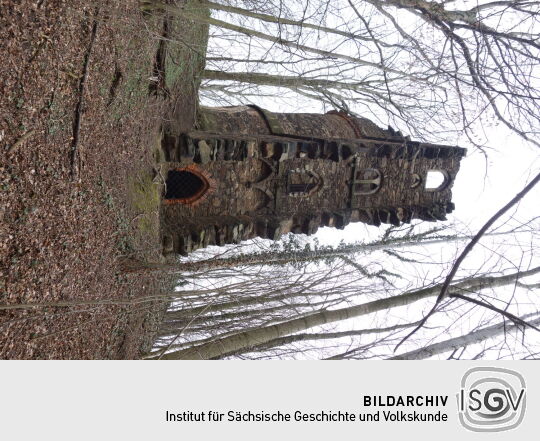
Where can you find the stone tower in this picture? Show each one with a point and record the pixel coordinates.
(248, 172)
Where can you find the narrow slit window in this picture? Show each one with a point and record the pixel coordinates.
(366, 181)
(302, 183)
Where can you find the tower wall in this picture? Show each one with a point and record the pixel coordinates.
(257, 179)
(252, 120)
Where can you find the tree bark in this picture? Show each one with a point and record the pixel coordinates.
(174, 10)
(462, 341)
(283, 21)
(282, 258)
(263, 335)
(263, 79)
(319, 336)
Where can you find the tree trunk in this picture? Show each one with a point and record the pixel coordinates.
(326, 55)
(262, 79)
(283, 21)
(263, 335)
(320, 336)
(464, 340)
(282, 258)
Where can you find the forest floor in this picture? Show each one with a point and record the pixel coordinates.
(84, 90)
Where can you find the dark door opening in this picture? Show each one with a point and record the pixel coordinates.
(185, 186)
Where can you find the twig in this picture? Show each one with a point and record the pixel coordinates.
(136, 217)
(508, 315)
(20, 141)
(70, 303)
(78, 108)
(467, 250)
(164, 182)
(165, 349)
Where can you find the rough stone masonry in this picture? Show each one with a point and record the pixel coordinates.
(248, 172)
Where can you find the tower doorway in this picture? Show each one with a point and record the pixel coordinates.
(185, 186)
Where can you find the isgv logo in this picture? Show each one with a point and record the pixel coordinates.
(491, 399)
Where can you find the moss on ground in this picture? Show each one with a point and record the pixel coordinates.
(145, 198)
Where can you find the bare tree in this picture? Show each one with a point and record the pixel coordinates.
(273, 309)
(427, 67)
(263, 335)
(431, 69)
(461, 342)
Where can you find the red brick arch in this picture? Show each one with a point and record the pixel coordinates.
(208, 185)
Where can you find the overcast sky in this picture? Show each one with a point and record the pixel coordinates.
(481, 188)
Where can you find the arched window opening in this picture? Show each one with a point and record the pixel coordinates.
(255, 200)
(415, 180)
(346, 151)
(302, 183)
(366, 181)
(436, 180)
(185, 186)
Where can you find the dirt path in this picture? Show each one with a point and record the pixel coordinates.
(79, 139)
